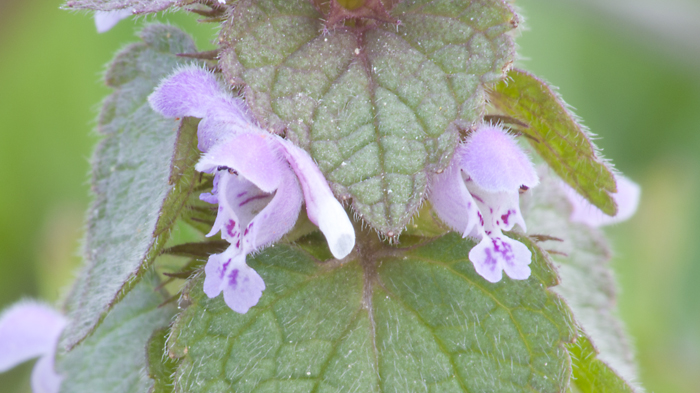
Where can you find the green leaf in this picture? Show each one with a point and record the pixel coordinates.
(557, 136)
(142, 176)
(379, 107)
(409, 320)
(161, 367)
(583, 256)
(590, 374)
(113, 359)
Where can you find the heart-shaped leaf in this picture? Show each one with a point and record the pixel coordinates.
(408, 320)
(143, 173)
(378, 105)
(557, 136)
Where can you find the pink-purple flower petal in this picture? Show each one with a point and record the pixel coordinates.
(452, 201)
(498, 253)
(494, 161)
(228, 272)
(626, 198)
(193, 91)
(105, 20)
(322, 208)
(28, 330)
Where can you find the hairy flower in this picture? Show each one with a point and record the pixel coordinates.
(29, 330)
(260, 182)
(478, 195)
(626, 198)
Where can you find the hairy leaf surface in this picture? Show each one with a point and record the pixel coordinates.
(556, 135)
(113, 359)
(378, 105)
(583, 257)
(415, 320)
(142, 176)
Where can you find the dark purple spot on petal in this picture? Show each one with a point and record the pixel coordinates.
(481, 218)
(229, 228)
(506, 216)
(241, 194)
(223, 269)
(238, 244)
(477, 198)
(232, 278)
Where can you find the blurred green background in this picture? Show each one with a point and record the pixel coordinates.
(628, 67)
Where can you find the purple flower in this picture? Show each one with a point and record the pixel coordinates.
(260, 182)
(626, 198)
(29, 330)
(105, 20)
(478, 195)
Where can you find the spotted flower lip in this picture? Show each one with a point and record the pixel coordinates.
(260, 182)
(28, 330)
(478, 196)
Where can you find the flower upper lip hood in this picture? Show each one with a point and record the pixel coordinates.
(28, 330)
(260, 182)
(478, 195)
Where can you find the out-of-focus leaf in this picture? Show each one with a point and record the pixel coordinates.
(378, 106)
(412, 320)
(142, 176)
(587, 284)
(590, 374)
(136, 6)
(113, 359)
(558, 137)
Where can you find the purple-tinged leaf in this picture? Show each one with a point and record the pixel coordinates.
(142, 176)
(378, 105)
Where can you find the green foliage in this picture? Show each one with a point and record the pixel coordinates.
(160, 366)
(556, 135)
(378, 106)
(590, 374)
(143, 172)
(113, 358)
(391, 319)
(583, 256)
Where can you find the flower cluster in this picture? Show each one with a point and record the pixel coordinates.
(478, 196)
(260, 181)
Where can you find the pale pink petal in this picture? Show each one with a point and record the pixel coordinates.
(495, 162)
(252, 155)
(499, 253)
(27, 330)
(44, 377)
(192, 91)
(626, 198)
(322, 208)
(228, 272)
(452, 201)
(105, 20)
(499, 210)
